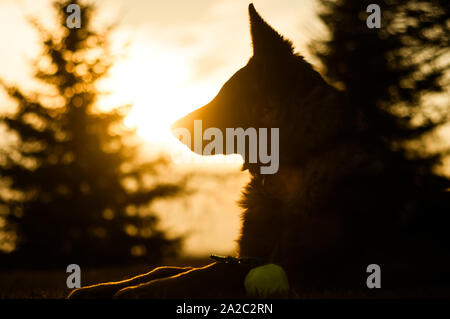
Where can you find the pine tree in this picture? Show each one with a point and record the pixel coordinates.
(390, 75)
(78, 189)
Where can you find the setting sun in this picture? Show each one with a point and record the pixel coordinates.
(157, 84)
(224, 150)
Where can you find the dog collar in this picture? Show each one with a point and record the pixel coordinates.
(251, 261)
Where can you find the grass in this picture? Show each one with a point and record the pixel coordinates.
(32, 284)
(51, 284)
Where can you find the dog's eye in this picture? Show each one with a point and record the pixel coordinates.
(255, 86)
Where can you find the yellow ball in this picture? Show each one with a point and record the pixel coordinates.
(265, 281)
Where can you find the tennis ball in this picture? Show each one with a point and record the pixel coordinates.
(267, 280)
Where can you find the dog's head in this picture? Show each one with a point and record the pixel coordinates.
(257, 96)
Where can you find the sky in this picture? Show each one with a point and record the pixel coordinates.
(190, 48)
(178, 56)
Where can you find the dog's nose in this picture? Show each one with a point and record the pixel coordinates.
(179, 126)
(174, 126)
(182, 129)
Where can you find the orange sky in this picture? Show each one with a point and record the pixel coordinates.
(180, 54)
(189, 48)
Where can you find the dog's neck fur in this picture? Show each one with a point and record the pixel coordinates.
(324, 125)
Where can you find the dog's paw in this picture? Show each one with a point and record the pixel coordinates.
(216, 280)
(155, 289)
(101, 291)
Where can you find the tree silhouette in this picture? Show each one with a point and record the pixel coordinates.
(76, 190)
(391, 75)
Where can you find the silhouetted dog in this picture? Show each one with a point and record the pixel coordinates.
(333, 207)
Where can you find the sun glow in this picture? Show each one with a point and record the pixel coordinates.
(161, 86)
(157, 84)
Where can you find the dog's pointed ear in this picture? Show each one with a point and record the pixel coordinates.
(266, 41)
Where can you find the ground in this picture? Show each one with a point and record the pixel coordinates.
(51, 284)
(29, 284)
